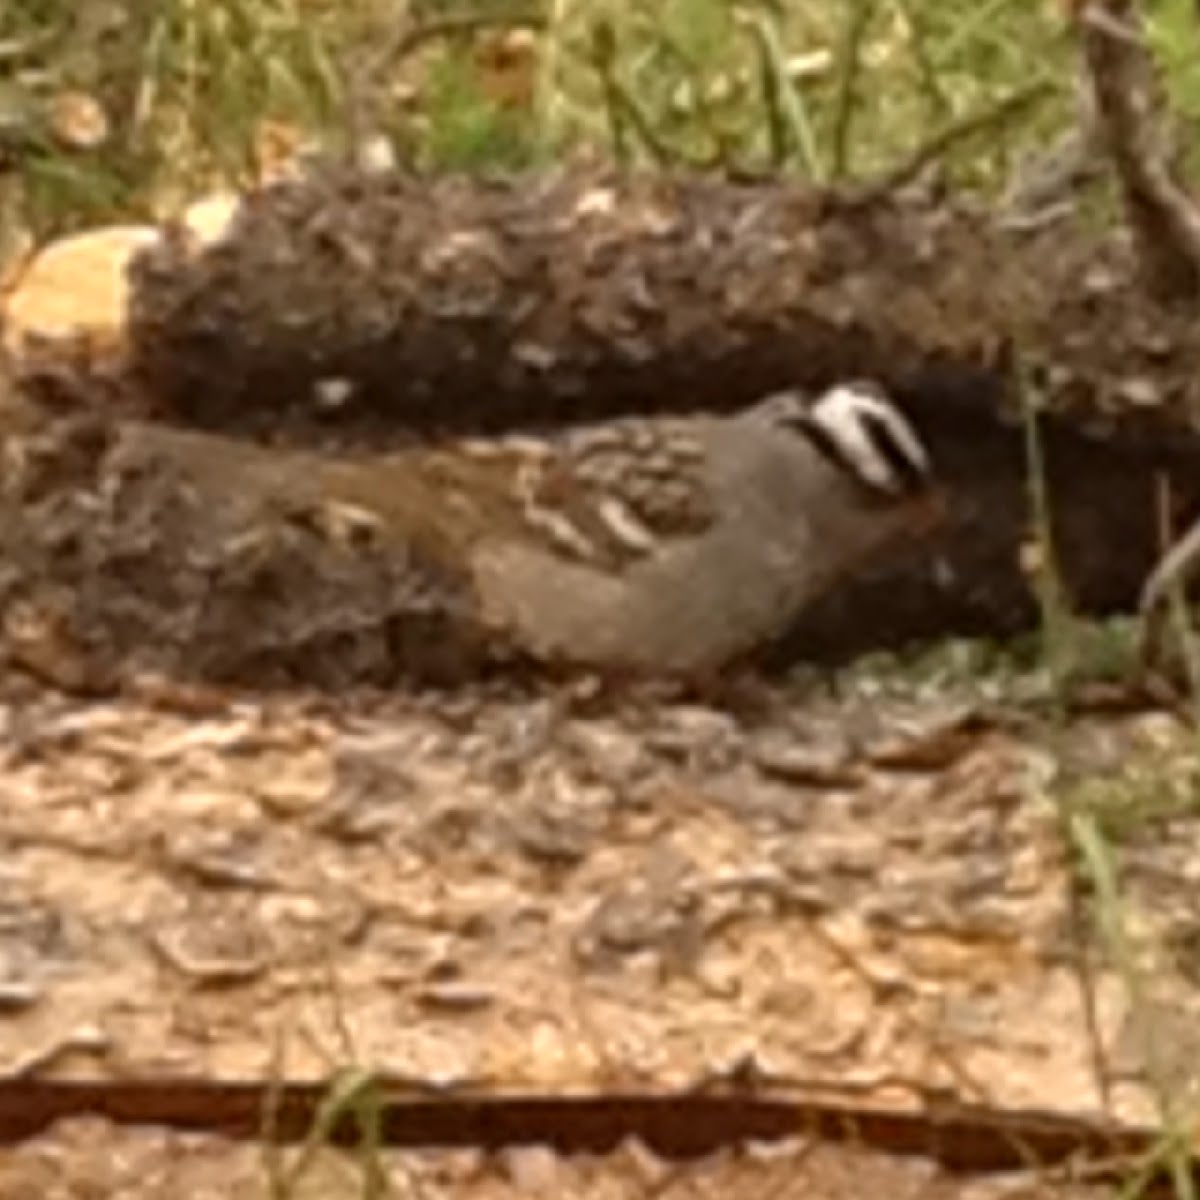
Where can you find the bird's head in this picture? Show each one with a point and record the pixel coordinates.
(857, 427)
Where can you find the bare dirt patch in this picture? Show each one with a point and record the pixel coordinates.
(87, 1158)
(506, 894)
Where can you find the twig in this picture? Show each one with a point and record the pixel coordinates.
(359, 86)
(703, 110)
(1163, 599)
(411, 38)
(849, 61)
(622, 108)
(1085, 976)
(1128, 99)
(937, 145)
(789, 109)
(770, 86)
(927, 72)
(1047, 183)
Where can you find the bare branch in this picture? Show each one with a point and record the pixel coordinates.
(940, 143)
(1129, 108)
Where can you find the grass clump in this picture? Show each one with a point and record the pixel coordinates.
(197, 93)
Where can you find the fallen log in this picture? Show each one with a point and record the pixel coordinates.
(381, 305)
(454, 303)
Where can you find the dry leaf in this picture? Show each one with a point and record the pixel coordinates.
(278, 147)
(507, 64)
(74, 288)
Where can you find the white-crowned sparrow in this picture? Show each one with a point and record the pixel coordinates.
(666, 546)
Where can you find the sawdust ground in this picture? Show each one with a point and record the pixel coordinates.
(864, 890)
(87, 1158)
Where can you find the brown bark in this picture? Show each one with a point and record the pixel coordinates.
(1132, 119)
(458, 303)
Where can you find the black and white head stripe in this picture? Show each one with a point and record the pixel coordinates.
(859, 428)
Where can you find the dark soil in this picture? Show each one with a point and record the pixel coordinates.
(128, 550)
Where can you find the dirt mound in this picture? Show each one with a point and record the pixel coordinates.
(383, 303)
(126, 552)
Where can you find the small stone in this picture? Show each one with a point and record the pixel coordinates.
(459, 996)
(1155, 344)
(611, 756)
(554, 839)
(534, 1170)
(1099, 280)
(212, 966)
(16, 995)
(696, 735)
(535, 356)
(1140, 391)
(333, 394)
(806, 766)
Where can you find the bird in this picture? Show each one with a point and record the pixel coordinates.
(675, 545)
(700, 541)
(653, 545)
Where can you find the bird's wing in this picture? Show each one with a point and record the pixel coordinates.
(620, 493)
